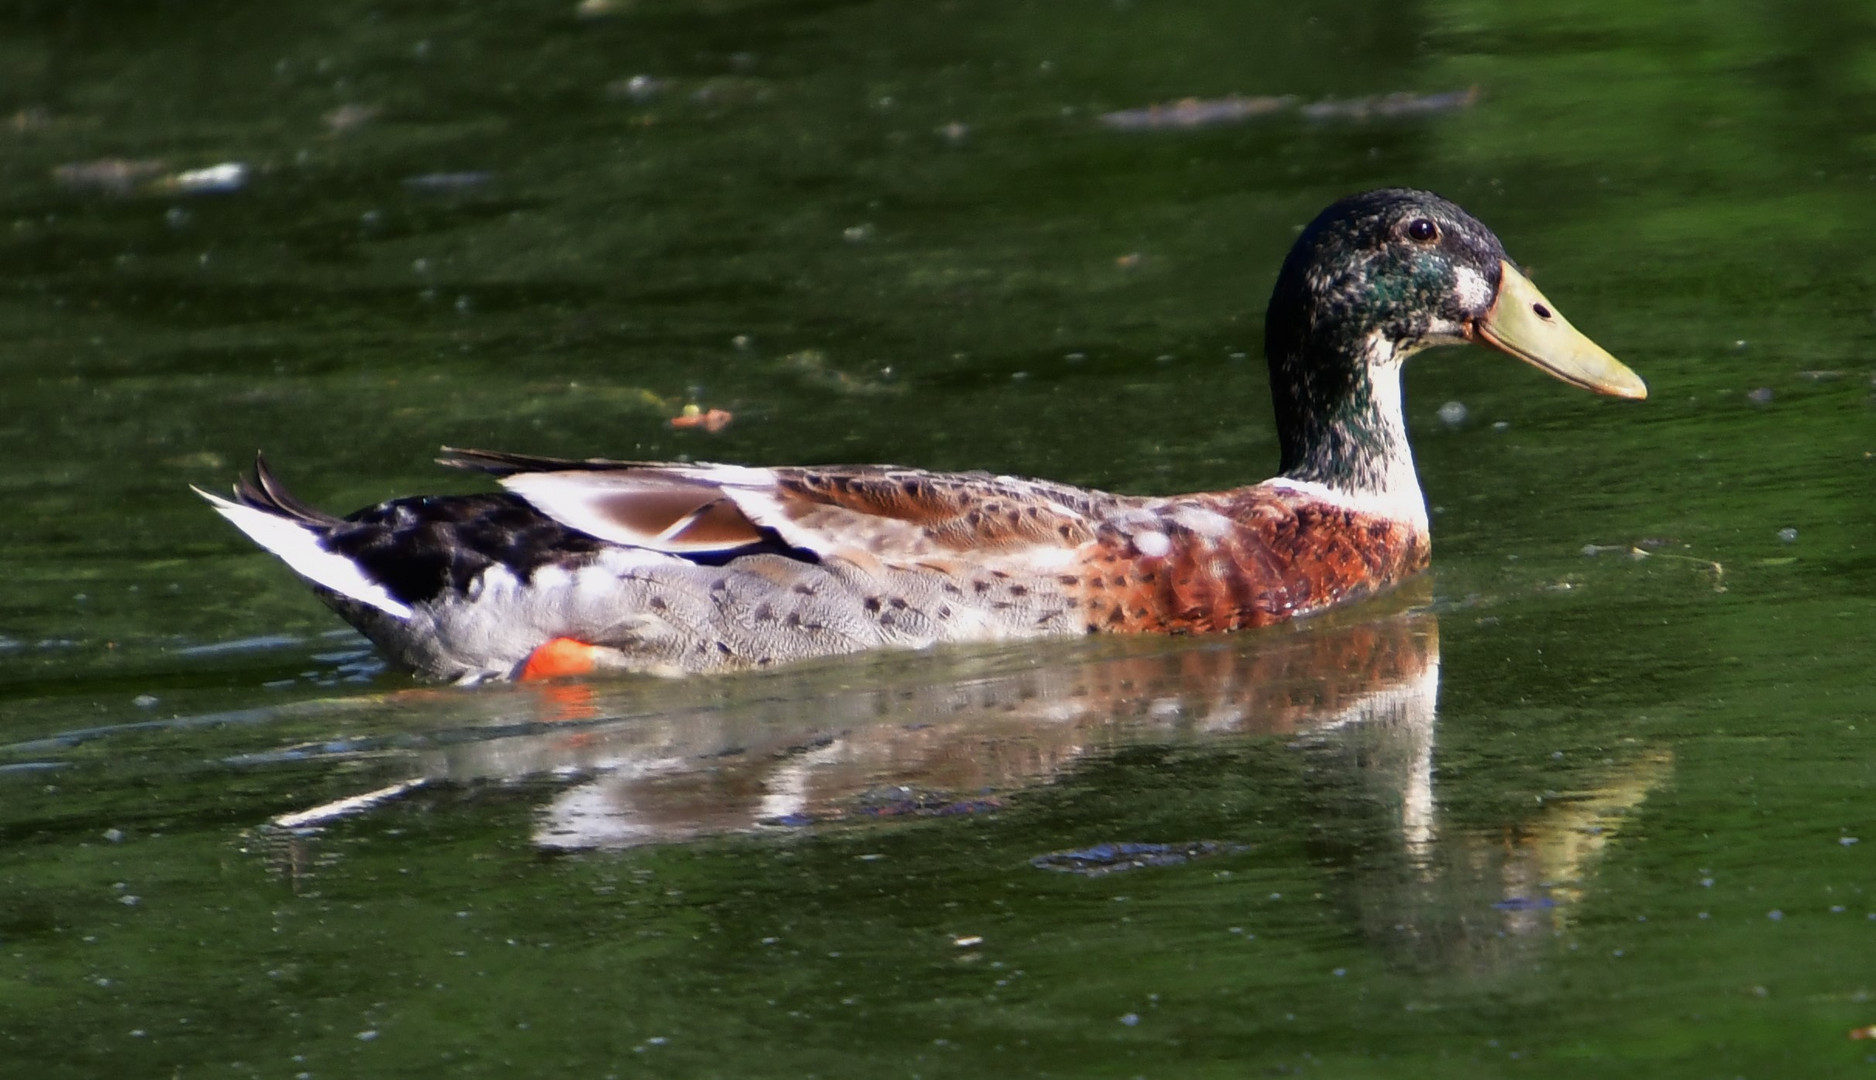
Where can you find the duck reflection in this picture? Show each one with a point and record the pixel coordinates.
(947, 736)
(1437, 895)
(643, 762)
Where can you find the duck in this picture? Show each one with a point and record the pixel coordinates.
(595, 566)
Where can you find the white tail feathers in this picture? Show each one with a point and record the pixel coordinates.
(298, 546)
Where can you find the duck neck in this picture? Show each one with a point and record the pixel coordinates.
(1341, 425)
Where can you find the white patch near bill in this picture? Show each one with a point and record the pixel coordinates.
(298, 546)
(1473, 290)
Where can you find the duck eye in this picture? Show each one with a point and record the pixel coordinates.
(1422, 231)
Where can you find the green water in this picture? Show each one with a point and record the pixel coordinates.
(1551, 814)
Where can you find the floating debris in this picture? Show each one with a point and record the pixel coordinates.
(1120, 857)
(694, 417)
(222, 179)
(1391, 106)
(1760, 396)
(1642, 549)
(339, 808)
(1196, 112)
(126, 176)
(1453, 414)
(1236, 108)
(111, 176)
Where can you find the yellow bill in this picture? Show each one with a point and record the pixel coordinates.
(1529, 327)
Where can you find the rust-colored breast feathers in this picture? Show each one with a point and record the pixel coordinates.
(1236, 559)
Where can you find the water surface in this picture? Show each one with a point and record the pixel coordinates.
(1595, 798)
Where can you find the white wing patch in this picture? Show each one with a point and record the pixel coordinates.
(298, 546)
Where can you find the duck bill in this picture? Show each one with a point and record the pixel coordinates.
(1521, 322)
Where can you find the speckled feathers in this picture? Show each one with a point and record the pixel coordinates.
(681, 567)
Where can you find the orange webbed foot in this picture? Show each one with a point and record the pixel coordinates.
(560, 657)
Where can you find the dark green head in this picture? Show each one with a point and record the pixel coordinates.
(1374, 279)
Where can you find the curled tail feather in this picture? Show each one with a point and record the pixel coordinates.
(273, 518)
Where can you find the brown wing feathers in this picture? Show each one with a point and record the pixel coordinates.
(881, 510)
(959, 512)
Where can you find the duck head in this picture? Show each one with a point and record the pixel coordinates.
(1374, 279)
